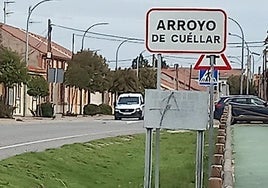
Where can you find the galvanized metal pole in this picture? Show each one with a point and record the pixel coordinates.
(148, 159)
(157, 131)
(199, 159)
(211, 94)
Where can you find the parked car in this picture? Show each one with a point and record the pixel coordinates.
(129, 105)
(248, 108)
(221, 103)
(219, 107)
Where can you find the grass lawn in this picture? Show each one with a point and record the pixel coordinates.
(106, 163)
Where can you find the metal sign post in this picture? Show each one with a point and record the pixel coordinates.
(148, 159)
(199, 159)
(149, 141)
(167, 31)
(211, 99)
(157, 130)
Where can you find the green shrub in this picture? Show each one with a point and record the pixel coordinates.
(105, 109)
(6, 111)
(47, 109)
(91, 109)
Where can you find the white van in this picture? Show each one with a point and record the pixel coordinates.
(129, 105)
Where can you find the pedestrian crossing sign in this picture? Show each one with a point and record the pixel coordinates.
(205, 77)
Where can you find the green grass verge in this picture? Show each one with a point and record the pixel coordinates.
(106, 163)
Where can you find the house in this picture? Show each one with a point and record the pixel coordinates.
(184, 78)
(65, 98)
(70, 99)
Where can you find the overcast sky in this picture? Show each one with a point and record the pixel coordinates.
(127, 18)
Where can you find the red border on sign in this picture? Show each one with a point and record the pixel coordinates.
(185, 51)
(225, 60)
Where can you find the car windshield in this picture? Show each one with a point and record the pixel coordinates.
(257, 101)
(128, 100)
(247, 100)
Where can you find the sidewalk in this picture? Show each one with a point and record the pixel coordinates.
(251, 156)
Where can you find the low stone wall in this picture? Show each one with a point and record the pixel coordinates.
(222, 167)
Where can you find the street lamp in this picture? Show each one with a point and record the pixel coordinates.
(248, 59)
(30, 10)
(116, 54)
(83, 38)
(138, 62)
(242, 60)
(6, 13)
(250, 55)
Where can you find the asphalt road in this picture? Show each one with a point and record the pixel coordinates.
(17, 137)
(251, 155)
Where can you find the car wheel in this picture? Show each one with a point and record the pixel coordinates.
(141, 118)
(233, 121)
(116, 118)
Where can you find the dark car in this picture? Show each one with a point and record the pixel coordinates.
(248, 108)
(219, 107)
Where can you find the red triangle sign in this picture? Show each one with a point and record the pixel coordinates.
(222, 63)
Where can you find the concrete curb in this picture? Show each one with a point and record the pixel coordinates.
(222, 168)
(228, 179)
(14, 120)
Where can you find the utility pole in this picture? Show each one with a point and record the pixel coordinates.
(265, 60)
(6, 13)
(153, 61)
(176, 78)
(138, 64)
(49, 53)
(190, 77)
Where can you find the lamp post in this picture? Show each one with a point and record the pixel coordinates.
(138, 63)
(30, 10)
(116, 54)
(6, 13)
(83, 38)
(248, 60)
(250, 55)
(242, 58)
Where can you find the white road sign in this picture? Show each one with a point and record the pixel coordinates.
(176, 109)
(186, 30)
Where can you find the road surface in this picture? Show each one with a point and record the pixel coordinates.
(38, 135)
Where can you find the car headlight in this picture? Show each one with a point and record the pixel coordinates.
(138, 109)
(116, 109)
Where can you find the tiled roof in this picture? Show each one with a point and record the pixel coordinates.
(168, 81)
(183, 80)
(224, 74)
(37, 42)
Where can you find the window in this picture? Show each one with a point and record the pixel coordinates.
(240, 100)
(128, 100)
(257, 102)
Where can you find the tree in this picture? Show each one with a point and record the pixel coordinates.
(12, 70)
(38, 87)
(124, 81)
(141, 61)
(87, 70)
(163, 63)
(234, 84)
(148, 78)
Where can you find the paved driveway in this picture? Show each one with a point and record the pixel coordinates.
(251, 155)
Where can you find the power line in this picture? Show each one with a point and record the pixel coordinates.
(100, 34)
(109, 39)
(249, 42)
